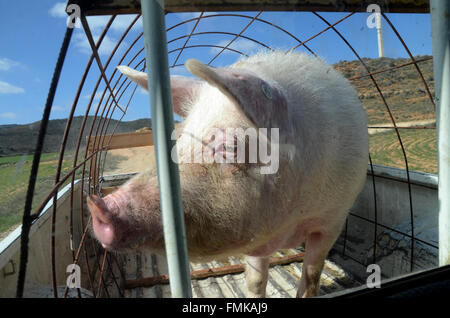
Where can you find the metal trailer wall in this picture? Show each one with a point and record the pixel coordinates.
(381, 233)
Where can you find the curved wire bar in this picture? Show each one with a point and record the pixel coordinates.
(396, 130)
(107, 105)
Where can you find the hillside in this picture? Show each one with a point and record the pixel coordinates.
(21, 139)
(402, 88)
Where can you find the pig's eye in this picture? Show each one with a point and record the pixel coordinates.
(225, 148)
(229, 147)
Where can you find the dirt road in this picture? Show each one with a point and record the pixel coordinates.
(418, 123)
(131, 159)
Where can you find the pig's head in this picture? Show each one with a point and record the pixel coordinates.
(218, 197)
(123, 220)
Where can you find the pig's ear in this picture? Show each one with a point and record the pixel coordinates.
(136, 76)
(261, 102)
(182, 87)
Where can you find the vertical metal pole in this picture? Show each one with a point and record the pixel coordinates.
(379, 35)
(440, 11)
(162, 122)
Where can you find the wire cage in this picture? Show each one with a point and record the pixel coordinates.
(393, 222)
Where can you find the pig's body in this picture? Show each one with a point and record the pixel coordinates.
(235, 209)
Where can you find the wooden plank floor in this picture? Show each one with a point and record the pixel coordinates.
(282, 282)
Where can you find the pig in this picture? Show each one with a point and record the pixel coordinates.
(233, 208)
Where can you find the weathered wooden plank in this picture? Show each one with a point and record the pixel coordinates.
(210, 272)
(120, 141)
(108, 190)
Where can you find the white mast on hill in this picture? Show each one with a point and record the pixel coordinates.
(379, 35)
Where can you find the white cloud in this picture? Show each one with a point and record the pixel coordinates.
(57, 108)
(6, 64)
(143, 91)
(97, 95)
(96, 25)
(6, 88)
(120, 24)
(82, 43)
(242, 45)
(180, 71)
(8, 115)
(58, 10)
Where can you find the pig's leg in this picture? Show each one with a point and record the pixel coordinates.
(256, 273)
(317, 247)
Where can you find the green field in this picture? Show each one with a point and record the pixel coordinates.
(14, 176)
(420, 148)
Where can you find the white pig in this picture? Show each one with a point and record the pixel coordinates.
(321, 153)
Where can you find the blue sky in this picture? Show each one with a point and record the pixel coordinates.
(32, 31)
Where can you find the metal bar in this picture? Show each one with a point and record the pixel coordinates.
(391, 68)
(250, 18)
(102, 76)
(412, 59)
(59, 166)
(55, 188)
(94, 168)
(101, 7)
(393, 230)
(90, 38)
(168, 174)
(237, 36)
(375, 209)
(77, 148)
(412, 127)
(102, 271)
(220, 33)
(319, 33)
(77, 255)
(27, 218)
(440, 25)
(223, 48)
(188, 38)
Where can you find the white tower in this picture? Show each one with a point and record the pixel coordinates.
(380, 35)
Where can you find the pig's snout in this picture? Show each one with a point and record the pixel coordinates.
(102, 221)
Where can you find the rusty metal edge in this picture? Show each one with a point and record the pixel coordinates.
(98, 7)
